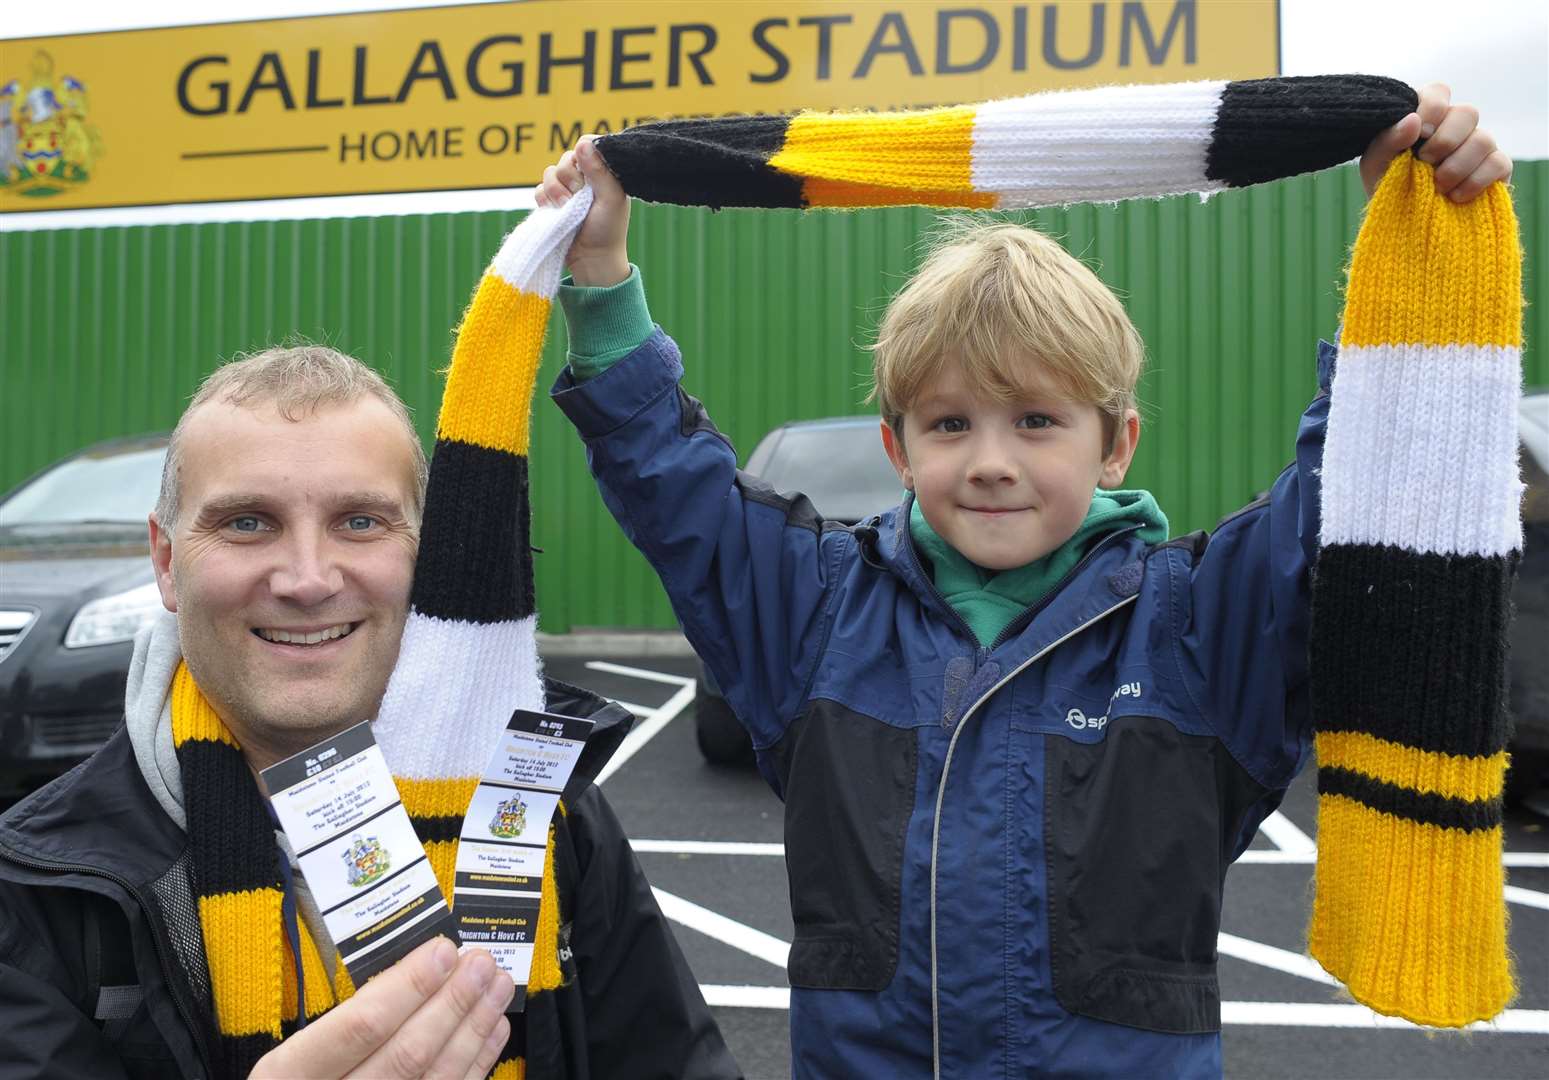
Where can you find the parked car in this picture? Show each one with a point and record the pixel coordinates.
(840, 465)
(75, 586)
(1529, 675)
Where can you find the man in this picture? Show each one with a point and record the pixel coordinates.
(154, 924)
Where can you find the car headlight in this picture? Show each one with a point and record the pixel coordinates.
(113, 618)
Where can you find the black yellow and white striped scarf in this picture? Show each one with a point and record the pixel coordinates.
(1420, 540)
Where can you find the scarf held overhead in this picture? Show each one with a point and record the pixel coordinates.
(1398, 812)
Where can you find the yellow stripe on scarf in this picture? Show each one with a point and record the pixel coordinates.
(1472, 297)
(923, 153)
(488, 397)
(1455, 776)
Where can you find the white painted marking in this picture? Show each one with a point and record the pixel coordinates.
(1516, 894)
(1299, 1014)
(654, 719)
(746, 997)
(1283, 833)
(1516, 860)
(727, 931)
(1256, 952)
(1260, 1013)
(640, 673)
(707, 847)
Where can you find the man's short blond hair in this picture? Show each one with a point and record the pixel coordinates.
(1007, 303)
(297, 379)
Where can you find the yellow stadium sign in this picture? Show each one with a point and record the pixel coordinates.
(485, 95)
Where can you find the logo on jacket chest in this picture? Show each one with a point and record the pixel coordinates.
(1080, 721)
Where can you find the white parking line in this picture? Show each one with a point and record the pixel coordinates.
(1522, 860)
(706, 847)
(727, 931)
(653, 719)
(1280, 831)
(1256, 952)
(1246, 1013)
(1516, 894)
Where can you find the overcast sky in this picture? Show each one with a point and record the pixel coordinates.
(1493, 53)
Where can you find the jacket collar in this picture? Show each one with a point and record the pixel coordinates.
(100, 818)
(1109, 574)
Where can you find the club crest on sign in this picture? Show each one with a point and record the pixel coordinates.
(47, 144)
(510, 818)
(365, 860)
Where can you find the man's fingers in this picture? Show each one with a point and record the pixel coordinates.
(1451, 133)
(468, 1043)
(336, 1043)
(416, 1047)
(490, 1052)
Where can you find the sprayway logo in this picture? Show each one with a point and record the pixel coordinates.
(1081, 721)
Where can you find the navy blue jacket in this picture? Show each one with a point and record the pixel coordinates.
(1004, 861)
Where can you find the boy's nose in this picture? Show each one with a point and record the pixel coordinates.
(992, 463)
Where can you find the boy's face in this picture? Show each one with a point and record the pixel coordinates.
(1005, 483)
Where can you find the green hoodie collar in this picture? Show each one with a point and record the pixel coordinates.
(988, 600)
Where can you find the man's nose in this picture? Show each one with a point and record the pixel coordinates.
(308, 574)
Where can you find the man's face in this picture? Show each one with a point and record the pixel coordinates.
(290, 566)
(1005, 482)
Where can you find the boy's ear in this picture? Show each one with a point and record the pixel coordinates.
(1126, 437)
(893, 443)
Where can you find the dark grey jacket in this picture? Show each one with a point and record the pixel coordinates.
(102, 966)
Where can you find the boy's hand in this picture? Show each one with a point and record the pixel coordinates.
(600, 253)
(1465, 155)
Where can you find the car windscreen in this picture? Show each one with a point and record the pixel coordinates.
(107, 487)
(841, 468)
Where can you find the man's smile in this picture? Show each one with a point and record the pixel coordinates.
(305, 637)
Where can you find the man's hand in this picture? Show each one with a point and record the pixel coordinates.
(1465, 155)
(600, 254)
(432, 1014)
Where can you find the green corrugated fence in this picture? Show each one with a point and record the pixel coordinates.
(106, 331)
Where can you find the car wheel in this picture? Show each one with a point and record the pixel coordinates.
(722, 739)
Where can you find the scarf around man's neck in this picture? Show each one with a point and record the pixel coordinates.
(1432, 330)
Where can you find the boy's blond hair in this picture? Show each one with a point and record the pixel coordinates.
(1003, 300)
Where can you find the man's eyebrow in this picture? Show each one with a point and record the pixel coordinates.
(378, 502)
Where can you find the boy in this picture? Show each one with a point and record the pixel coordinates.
(1019, 734)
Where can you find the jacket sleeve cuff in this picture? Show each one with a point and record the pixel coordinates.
(620, 393)
(606, 324)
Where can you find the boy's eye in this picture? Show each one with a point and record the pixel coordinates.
(1036, 421)
(951, 425)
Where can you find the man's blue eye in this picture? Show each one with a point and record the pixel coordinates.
(246, 524)
(360, 523)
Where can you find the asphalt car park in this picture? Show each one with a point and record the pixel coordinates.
(709, 838)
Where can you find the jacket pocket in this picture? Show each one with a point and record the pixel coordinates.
(1136, 827)
(849, 785)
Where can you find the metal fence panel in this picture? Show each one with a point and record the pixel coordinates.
(106, 331)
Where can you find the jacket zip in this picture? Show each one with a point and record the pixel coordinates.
(941, 790)
(156, 941)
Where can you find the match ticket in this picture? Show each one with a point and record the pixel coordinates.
(358, 851)
(499, 876)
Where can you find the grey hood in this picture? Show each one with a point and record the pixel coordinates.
(148, 712)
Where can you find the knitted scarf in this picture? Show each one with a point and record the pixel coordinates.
(468, 659)
(1419, 515)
